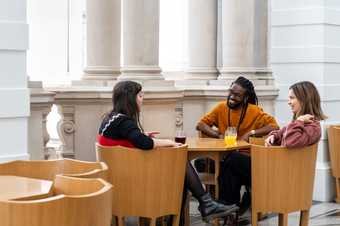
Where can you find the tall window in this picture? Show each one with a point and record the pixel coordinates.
(56, 39)
(173, 35)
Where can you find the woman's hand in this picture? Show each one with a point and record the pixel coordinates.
(269, 141)
(165, 143)
(152, 134)
(173, 143)
(307, 118)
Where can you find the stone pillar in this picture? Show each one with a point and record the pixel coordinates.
(103, 39)
(14, 94)
(38, 137)
(141, 40)
(66, 129)
(202, 40)
(244, 39)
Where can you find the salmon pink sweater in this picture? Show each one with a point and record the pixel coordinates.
(297, 134)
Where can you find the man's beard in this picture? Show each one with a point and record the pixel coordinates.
(233, 106)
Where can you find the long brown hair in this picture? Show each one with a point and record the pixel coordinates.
(124, 100)
(309, 99)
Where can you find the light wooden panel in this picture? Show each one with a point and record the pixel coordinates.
(47, 169)
(257, 140)
(334, 154)
(147, 183)
(88, 203)
(282, 180)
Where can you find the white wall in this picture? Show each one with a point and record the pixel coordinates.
(14, 95)
(305, 44)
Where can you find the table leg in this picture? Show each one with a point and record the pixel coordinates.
(217, 173)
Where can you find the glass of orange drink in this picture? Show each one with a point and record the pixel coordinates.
(230, 136)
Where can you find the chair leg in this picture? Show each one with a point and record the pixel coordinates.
(120, 221)
(304, 217)
(253, 217)
(337, 182)
(153, 222)
(186, 210)
(283, 219)
(176, 219)
(215, 222)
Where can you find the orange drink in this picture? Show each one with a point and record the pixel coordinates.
(230, 140)
(230, 136)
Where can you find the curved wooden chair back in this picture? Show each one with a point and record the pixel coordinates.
(147, 183)
(334, 152)
(83, 169)
(282, 180)
(77, 201)
(257, 140)
(48, 169)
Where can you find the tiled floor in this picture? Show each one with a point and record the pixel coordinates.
(321, 214)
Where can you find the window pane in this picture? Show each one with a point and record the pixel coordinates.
(173, 35)
(47, 55)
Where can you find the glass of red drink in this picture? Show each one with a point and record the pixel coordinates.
(180, 137)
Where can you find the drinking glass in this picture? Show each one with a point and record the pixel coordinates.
(230, 136)
(180, 137)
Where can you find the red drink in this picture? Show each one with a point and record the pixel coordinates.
(180, 140)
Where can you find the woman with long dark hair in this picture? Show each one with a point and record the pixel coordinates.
(122, 127)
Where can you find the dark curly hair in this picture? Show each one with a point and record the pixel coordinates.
(249, 98)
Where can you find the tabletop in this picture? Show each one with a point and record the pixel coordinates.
(15, 187)
(212, 144)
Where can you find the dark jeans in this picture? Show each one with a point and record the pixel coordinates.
(235, 172)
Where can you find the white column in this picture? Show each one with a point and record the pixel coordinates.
(14, 94)
(305, 46)
(202, 40)
(141, 40)
(244, 38)
(103, 39)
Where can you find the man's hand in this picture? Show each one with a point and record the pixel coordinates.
(269, 141)
(246, 136)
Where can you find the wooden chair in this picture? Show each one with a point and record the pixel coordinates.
(48, 169)
(257, 140)
(334, 152)
(147, 183)
(76, 201)
(282, 181)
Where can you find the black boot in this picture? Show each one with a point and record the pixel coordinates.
(211, 209)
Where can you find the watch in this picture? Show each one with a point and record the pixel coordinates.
(252, 132)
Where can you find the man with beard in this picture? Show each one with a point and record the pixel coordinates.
(240, 110)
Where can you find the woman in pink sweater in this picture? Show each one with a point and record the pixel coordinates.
(304, 130)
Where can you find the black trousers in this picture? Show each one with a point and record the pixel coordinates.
(235, 172)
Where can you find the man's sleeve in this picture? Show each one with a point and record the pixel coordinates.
(265, 119)
(212, 117)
